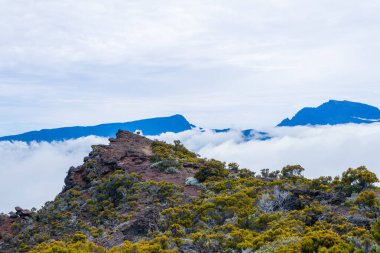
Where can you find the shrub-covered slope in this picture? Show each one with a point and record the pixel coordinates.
(138, 195)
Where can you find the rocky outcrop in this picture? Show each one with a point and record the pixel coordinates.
(20, 213)
(131, 153)
(128, 152)
(143, 223)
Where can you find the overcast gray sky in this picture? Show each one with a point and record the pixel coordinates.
(220, 63)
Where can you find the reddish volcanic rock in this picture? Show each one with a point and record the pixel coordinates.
(131, 153)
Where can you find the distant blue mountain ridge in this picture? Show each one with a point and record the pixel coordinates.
(151, 127)
(334, 112)
(248, 134)
(154, 126)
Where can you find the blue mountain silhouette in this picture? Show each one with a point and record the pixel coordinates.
(154, 126)
(334, 112)
(248, 134)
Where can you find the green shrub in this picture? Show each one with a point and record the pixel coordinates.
(292, 172)
(211, 169)
(356, 180)
(367, 198)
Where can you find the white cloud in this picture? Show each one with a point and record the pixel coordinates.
(242, 62)
(321, 151)
(32, 174)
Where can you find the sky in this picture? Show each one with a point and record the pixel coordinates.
(220, 63)
(240, 64)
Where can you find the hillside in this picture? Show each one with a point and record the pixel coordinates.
(139, 195)
(333, 113)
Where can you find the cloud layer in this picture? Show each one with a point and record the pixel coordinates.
(223, 64)
(327, 150)
(32, 174)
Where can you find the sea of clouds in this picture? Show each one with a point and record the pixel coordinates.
(32, 174)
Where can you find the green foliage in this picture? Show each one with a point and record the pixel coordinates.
(356, 180)
(375, 230)
(211, 169)
(292, 172)
(267, 174)
(170, 158)
(158, 245)
(324, 241)
(322, 183)
(236, 211)
(164, 151)
(367, 198)
(79, 237)
(63, 247)
(233, 167)
(245, 173)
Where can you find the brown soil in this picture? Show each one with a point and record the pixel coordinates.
(5, 225)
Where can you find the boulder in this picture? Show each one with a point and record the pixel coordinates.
(22, 212)
(192, 181)
(141, 224)
(26, 212)
(13, 215)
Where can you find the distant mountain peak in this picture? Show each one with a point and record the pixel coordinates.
(150, 127)
(334, 112)
(153, 126)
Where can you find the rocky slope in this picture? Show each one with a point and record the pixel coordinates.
(127, 161)
(139, 195)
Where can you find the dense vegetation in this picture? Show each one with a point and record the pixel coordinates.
(236, 211)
